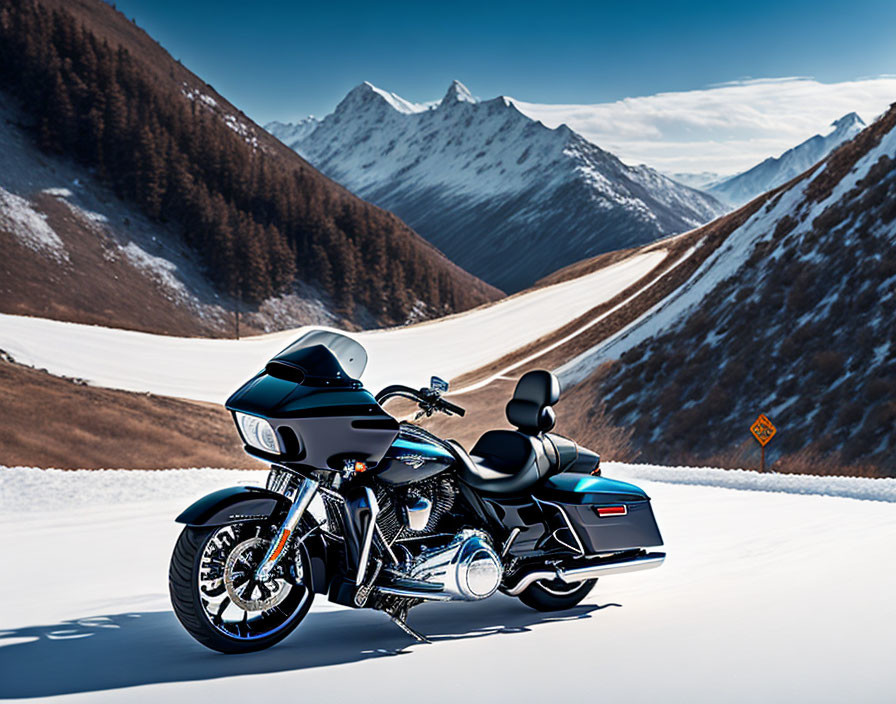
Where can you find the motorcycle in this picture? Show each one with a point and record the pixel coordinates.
(377, 513)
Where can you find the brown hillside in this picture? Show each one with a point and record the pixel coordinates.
(48, 421)
(96, 89)
(802, 331)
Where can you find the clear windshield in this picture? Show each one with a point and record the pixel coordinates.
(349, 353)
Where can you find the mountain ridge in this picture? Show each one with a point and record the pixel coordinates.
(775, 171)
(506, 197)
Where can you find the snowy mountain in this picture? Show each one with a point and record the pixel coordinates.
(774, 172)
(701, 180)
(789, 313)
(501, 194)
(292, 133)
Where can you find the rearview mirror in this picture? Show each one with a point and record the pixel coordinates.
(438, 384)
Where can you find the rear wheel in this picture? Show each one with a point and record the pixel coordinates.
(218, 600)
(555, 594)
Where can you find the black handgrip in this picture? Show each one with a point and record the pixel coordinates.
(448, 406)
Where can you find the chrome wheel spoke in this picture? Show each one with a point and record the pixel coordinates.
(234, 602)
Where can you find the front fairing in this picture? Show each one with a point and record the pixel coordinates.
(318, 426)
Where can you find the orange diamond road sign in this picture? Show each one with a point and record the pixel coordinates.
(763, 430)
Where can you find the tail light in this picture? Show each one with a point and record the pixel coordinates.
(607, 511)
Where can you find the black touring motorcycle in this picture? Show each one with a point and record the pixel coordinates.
(400, 516)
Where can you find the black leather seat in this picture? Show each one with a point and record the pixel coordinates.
(512, 461)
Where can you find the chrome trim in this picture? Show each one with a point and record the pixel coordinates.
(527, 579)
(368, 535)
(581, 548)
(418, 513)
(411, 594)
(333, 494)
(307, 490)
(509, 542)
(643, 562)
(467, 568)
(581, 574)
(561, 541)
(392, 556)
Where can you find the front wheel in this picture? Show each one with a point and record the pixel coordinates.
(218, 600)
(555, 595)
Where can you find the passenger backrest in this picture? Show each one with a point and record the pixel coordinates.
(530, 408)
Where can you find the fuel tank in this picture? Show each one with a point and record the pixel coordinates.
(414, 455)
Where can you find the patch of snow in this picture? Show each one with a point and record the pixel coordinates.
(63, 194)
(194, 94)
(159, 268)
(30, 227)
(243, 130)
(59, 192)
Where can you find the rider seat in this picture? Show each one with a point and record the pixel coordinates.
(512, 461)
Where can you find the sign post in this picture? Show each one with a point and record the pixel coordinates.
(763, 431)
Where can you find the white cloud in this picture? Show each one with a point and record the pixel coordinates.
(723, 128)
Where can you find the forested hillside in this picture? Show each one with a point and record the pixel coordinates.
(260, 218)
(791, 316)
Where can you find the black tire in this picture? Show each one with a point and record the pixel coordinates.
(183, 586)
(540, 597)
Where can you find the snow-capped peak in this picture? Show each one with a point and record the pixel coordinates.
(458, 93)
(367, 93)
(479, 179)
(849, 122)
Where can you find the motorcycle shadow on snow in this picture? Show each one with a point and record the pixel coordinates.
(130, 649)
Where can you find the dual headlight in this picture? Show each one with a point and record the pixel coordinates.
(258, 433)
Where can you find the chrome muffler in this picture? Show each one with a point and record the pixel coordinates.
(647, 561)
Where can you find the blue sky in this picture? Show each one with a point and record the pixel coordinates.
(284, 60)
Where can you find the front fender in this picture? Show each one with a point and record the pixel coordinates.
(236, 504)
(248, 503)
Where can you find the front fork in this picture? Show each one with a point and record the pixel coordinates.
(306, 492)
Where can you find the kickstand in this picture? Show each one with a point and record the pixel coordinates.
(399, 617)
(402, 624)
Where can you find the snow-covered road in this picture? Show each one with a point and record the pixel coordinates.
(774, 597)
(209, 370)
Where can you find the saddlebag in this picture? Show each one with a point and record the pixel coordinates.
(607, 515)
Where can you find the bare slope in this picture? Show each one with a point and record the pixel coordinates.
(50, 421)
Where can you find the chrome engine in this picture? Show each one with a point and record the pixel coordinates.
(467, 568)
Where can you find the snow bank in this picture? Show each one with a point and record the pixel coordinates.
(29, 226)
(845, 487)
(29, 489)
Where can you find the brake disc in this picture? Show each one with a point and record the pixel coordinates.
(239, 578)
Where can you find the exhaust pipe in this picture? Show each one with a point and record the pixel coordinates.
(647, 561)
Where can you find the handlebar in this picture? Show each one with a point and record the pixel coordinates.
(428, 399)
(452, 408)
